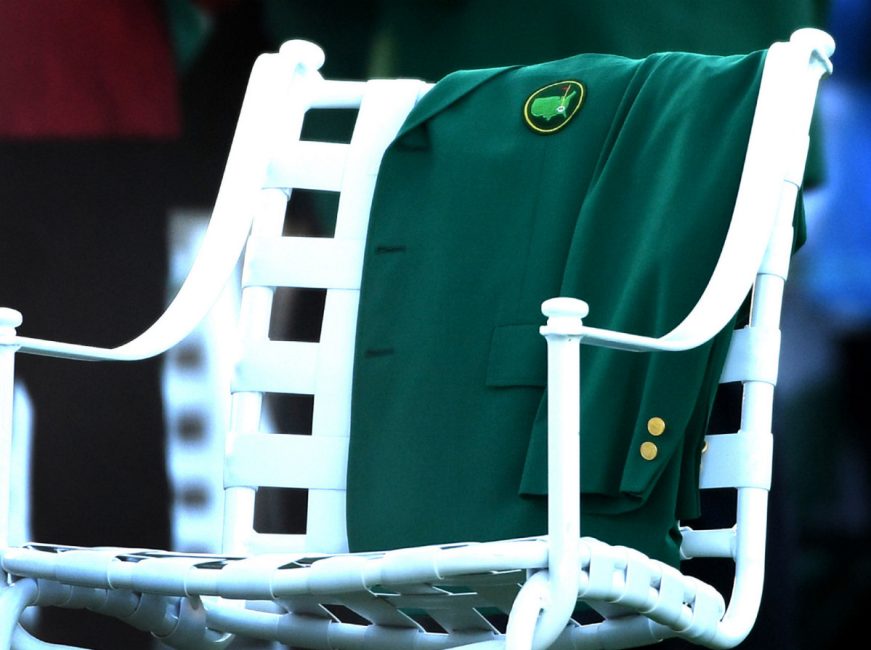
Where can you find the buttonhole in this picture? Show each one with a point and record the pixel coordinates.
(378, 352)
(388, 249)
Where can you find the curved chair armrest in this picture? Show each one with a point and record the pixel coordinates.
(728, 287)
(212, 268)
(773, 171)
(237, 200)
(744, 249)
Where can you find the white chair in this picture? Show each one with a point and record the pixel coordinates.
(306, 590)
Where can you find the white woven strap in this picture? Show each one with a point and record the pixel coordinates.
(454, 586)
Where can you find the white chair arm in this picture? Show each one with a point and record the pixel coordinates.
(14, 598)
(228, 229)
(211, 270)
(769, 163)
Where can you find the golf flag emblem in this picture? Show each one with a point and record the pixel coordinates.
(549, 109)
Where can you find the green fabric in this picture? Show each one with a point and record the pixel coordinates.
(430, 38)
(476, 220)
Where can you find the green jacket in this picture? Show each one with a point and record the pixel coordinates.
(477, 218)
(430, 38)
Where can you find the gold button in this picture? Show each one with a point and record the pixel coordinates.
(655, 426)
(648, 450)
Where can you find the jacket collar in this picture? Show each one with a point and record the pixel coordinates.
(446, 92)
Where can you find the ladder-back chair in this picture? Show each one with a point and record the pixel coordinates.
(307, 589)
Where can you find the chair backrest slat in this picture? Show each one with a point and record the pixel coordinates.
(310, 165)
(277, 367)
(737, 460)
(753, 356)
(260, 453)
(305, 262)
(285, 461)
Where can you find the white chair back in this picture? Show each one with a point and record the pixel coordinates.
(315, 460)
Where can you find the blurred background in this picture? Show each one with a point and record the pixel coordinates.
(115, 124)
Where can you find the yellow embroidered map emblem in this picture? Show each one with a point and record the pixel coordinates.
(549, 109)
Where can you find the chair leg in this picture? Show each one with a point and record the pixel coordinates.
(525, 612)
(14, 599)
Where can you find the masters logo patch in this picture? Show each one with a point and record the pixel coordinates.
(550, 108)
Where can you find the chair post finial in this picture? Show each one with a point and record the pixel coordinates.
(10, 318)
(306, 54)
(564, 315)
(816, 39)
(819, 44)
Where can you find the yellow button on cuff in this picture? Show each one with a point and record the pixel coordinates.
(655, 426)
(648, 450)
